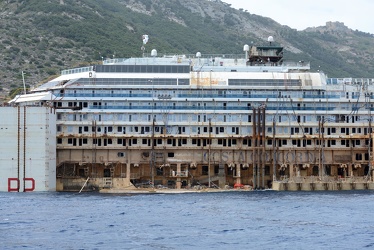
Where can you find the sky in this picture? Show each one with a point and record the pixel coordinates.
(301, 14)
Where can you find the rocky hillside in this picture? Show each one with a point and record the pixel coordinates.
(42, 37)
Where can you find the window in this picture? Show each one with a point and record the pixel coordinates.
(204, 170)
(267, 170)
(358, 157)
(160, 171)
(59, 140)
(170, 154)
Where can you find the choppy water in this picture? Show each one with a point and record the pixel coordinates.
(239, 220)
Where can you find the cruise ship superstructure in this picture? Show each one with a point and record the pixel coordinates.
(220, 121)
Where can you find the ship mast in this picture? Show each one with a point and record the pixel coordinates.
(145, 41)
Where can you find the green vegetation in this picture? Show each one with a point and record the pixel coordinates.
(43, 37)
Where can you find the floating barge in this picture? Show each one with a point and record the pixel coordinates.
(190, 122)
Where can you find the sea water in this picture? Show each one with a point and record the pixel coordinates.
(233, 220)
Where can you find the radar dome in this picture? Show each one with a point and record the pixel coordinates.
(246, 47)
(198, 54)
(154, 53)
(270, 39)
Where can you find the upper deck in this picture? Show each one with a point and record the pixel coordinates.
(256, 68)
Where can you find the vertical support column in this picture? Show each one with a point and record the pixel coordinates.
(209, 151)
(24, 148)
(371, 152)
(18, 144)
(179, 183)
(291, 171)
(128, 173)
(263, 138)
(254, 144)
(350, 166)
(274, 153)
(258, 138)
(350, 170)
(152, 163)
(319, 150)
(238, 174)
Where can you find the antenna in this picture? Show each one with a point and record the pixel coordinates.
(270, 39)
(23, 80)
(145, 41)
